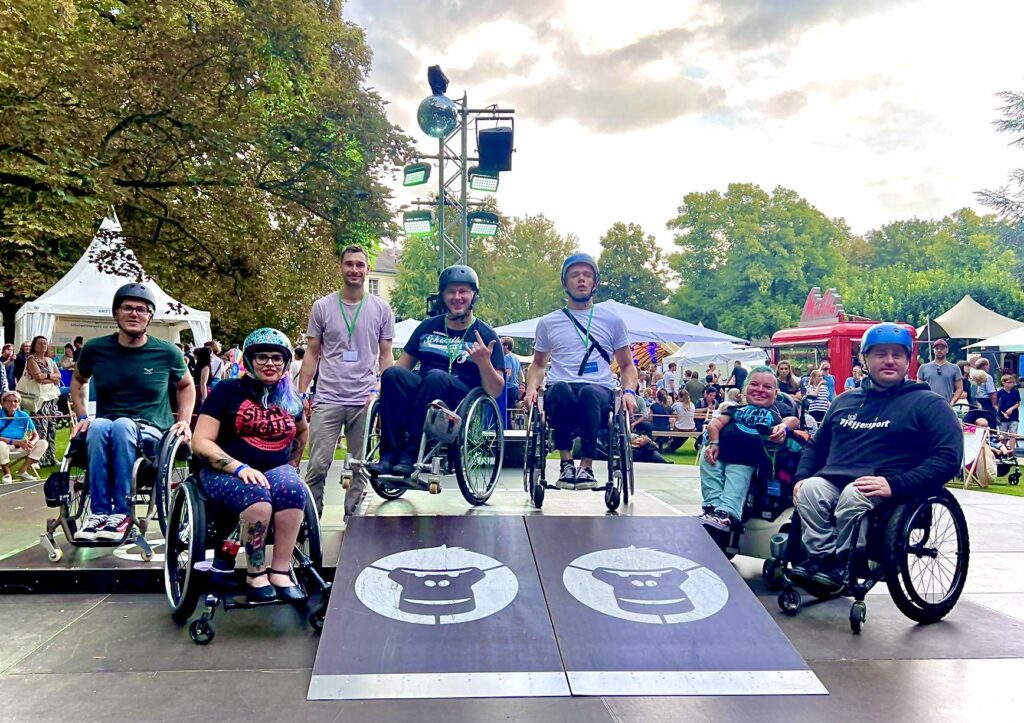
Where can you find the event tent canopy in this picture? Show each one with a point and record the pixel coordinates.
(642, 325)
(403, 330)
(722, 353)
(1012, 340)
(79, 304)
(967, 320)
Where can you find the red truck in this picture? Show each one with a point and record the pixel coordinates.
(825, 329)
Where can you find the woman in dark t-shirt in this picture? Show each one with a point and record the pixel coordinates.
(250, 436)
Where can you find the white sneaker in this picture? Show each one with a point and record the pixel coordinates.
(29, 475)
(6, 479)
(92, 525)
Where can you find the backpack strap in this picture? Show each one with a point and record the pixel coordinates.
(594, 344)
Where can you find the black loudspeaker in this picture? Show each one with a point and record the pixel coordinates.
(495, 145)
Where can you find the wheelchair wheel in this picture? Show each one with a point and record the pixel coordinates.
(186, 545)
(535, 458)
(625, 456)
(371, 451)
(481, 447)
(73, 508)
(928, 551)
(309, 533)
(613, 491)
(172, 470)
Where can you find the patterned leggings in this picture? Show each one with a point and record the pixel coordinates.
(286, 489)
(47, 427)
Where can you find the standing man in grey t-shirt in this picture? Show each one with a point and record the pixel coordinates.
(349, 337)
(944, 377)
(580, 340)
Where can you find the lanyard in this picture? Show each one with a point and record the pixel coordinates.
(585, 340)
(454, 349)
(350, 326)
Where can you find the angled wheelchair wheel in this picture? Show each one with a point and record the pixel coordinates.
(613, 495)
(172, 469)
(625, 456)
(371, 451)
(535, 457)
(309, 541)
(481, 447)
(928, 552)
(75, 504)
(186, 545)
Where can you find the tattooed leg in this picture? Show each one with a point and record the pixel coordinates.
(255, 521)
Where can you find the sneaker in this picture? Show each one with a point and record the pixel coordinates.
(383, 465)
(806, 570)
(29, 475)
(718, 520)
(6, 479)
(92, 525)
(566, 475)
(116, 528)
(585, 479)
(405, 466)
(831, 577)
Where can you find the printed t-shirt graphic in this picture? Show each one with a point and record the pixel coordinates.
(262, 437)
(433, 348)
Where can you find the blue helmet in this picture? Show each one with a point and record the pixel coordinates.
(887, 333)
(265, 339)
(581, 259)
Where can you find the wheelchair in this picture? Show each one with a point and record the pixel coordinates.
(621, 482)
(202, 544)
(159, 468)
(920, 548)
(469, 441)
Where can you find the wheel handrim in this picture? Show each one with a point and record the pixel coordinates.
(179, 549)
(481, 447)
(931, 569)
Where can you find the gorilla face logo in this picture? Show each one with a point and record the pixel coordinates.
(648, 592)
(437, 592)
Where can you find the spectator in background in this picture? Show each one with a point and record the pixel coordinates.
(965, 373)
(827, 377)
(984, 388)
(297, 354)
(513, 378)
(660, 413)
(78, 343)
(738, 377)
(704, 410)
(682, 419)
(67, 361)
(1008, 401)
(789, 383)
(694, 388)
(854, 380)
(671, 379)
(713, 373)
(202, 374)
(818, 400)
(941, 376)
(20, 359)
(44, 370)
(18, 439)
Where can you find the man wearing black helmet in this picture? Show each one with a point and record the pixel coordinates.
(131, 372)
(580, 341)
(896, 439)
(455, 351)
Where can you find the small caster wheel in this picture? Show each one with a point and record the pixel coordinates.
(771, 571)
(346, 483)
(316, 619)
(201, 631)
(435, 488)
(858, 615)
(1014, 478)
(538, 495)
(146, 555)
(789, 601)
(56, 555)
(611, 498)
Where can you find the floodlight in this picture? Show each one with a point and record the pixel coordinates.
(417, 223)
(482, 223)
(483, 179)
(416, 174)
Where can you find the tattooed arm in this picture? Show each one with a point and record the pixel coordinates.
(299, 445)
(204, 444)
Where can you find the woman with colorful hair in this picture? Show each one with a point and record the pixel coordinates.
(250, 436)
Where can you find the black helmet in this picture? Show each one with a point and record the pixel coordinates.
(135, 291)
(458, 274)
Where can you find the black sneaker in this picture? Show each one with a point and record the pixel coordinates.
(116, 528)
(566, 475)
(93, 524)
(585, 479)
(806, 570)
(831, 577)
(405, 466)
(383, 465)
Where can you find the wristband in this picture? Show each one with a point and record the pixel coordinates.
(375, 391)
(714, 444)
(240, 468)
(305, 396)
(629, 391)
(83, 417)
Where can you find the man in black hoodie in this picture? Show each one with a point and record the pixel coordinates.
(896, 439)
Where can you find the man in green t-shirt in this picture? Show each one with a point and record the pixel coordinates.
(132, 374)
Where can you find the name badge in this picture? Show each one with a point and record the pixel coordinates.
(350, 355)
(590, 368)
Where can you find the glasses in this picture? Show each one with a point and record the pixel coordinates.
(135, 310)
(275, 359)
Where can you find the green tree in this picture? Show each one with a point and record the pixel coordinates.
(747, 258)
(237, 142)
(1008, 201)
(633, 268)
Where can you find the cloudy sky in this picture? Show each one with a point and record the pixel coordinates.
(872, 109)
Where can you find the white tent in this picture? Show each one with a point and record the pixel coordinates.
(697, 355)
(403, 330)
(79, 304)
(1012, 340)
(967, 320)
(642, 326)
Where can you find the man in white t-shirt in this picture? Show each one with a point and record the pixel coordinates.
(580, 341)
(349, 337)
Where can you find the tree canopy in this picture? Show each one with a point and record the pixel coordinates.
(633, 268)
